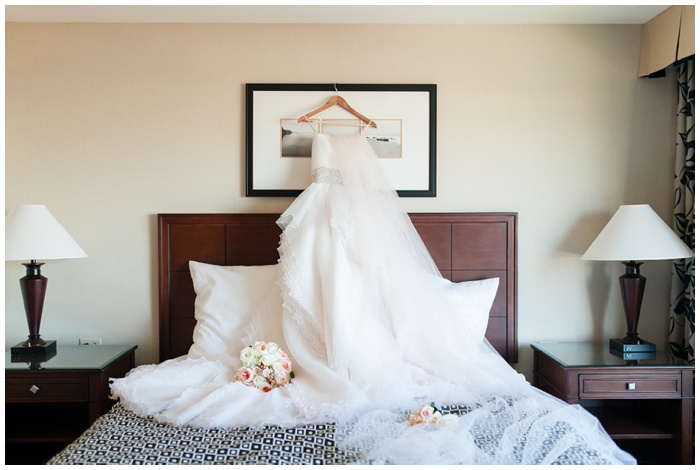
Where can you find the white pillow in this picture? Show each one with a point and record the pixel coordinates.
(227, 298)
(465, 306)
(475, 299)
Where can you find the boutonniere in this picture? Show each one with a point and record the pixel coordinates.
(429, 416)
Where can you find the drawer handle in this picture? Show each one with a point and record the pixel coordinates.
(34, 389)
(631, 386)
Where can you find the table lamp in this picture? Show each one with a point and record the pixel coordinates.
(635, 234)
(32, 233)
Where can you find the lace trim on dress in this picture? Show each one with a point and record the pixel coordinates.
(326, 175)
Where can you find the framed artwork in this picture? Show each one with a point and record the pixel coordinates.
(278, 146)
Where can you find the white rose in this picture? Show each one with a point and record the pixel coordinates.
(249, 356)
(448, 420)
(259, 380)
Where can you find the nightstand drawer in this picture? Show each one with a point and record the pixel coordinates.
(41, 389)
(657, 385)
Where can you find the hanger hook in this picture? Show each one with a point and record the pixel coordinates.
(335, 85)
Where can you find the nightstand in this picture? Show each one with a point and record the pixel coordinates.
(49, 404)
(647, 406)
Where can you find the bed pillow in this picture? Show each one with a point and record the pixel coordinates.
(475, 299)
(227, 297)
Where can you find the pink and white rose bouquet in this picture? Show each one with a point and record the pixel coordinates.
(429, 416)
(264, 366)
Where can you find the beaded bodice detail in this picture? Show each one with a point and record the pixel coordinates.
(326, 175)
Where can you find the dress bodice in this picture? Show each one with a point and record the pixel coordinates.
(324, 160)
(322, 155)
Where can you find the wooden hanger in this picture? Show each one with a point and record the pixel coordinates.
(337, 101)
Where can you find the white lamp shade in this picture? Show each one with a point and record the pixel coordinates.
(637, 233)
(32, 233)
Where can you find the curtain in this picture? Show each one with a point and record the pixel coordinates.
(682, 315)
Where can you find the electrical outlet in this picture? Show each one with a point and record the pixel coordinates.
(87, 341)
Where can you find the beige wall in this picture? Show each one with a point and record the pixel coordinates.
(110, 124)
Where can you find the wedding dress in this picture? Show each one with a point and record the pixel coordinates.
(373, 330)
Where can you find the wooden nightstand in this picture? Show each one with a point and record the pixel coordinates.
(647, 407)
(49, 404)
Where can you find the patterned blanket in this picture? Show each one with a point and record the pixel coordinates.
(121, 437)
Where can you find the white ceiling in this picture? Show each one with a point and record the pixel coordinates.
(380, 14)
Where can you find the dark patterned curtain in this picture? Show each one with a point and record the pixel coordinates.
(682, 318)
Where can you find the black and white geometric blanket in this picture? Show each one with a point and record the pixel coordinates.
(122, 438)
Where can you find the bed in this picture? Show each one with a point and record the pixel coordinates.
(465, 246)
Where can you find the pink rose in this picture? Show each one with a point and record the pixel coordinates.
(265, 387)
(245, 374)
(426, 412)
(283, 367)
(281, 380)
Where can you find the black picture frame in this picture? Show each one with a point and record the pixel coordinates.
(407, 112)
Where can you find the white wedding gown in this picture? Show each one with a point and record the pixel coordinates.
(373, 331)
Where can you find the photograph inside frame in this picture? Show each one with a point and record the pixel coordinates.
(296, 137)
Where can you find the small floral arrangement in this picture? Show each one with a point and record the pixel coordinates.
(264, 366)
(429, 416)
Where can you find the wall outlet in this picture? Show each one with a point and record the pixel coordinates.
(86, 341)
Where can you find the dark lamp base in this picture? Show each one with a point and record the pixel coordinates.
(28, 349)
(35, 361)
(638, 346)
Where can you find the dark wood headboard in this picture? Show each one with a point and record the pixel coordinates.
(465, 247)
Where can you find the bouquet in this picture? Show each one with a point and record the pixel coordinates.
(429, 416)
(264, 366)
